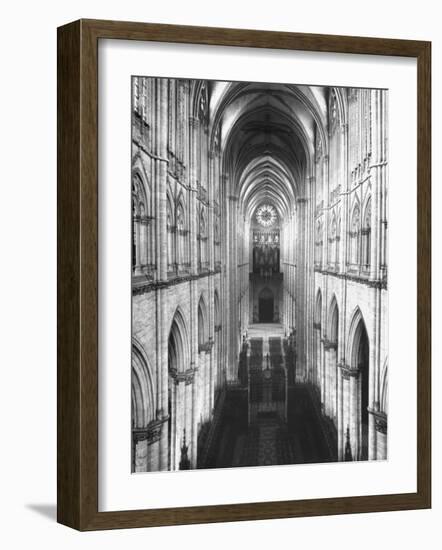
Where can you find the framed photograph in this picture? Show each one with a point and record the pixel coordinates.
(243, 275)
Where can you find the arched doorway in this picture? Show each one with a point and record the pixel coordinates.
(363, 358)
(360, 354)
(143, 409)
(177, 361)
(266, 306)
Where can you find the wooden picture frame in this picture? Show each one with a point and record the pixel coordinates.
(77, 459)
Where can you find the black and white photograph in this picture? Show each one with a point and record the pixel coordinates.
(222, 255)
(259, 274)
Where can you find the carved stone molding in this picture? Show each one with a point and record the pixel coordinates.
(328, 345)
(206, 347)
(381, 425)
(380, 421)
(380, 284)
(187, 376)
(348, 371)
(194, 122)
(149, 286)
(151, 433)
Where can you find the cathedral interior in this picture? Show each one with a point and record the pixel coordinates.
(259, 274)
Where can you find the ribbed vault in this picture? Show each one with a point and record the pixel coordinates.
(267, 140)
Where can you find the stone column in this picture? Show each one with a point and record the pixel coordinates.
(212, 367)
(143, 242)
(195, 416)
(233, 295)
(161, 163)
(325, 167)
(180, 418)
(354, 413)
(137, 246)
(193, 231)
(327, 396)
(341, 411)
(323, 377)
(346, 407)
(381, 423)
(224, 275)
(201, 384)
(310, 280)
(188, 389)
(209, 380)
(140, 451)
(374, 366)
(374, 170)
(301, 342)
(334, 385)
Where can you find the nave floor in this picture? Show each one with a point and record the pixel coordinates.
(270, 441)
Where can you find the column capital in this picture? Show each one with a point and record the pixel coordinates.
(186, 376)
(194, 122)
(380, 420)
(348, 371)
(151, 433)
(328, 344)
(206, 347)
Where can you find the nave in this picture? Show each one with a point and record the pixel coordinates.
(259, 274)
(296, 435)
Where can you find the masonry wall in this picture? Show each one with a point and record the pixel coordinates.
(346, 268)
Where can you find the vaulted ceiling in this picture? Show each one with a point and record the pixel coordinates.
(267, 139)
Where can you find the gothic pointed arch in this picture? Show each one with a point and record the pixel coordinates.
(171, 232)
(333, 321)
(318, 308)
(217, 313)
(182, 233)
(354, 233)
(202, 239)
(203, 335)
(178, 365)
(318, 242)
(178, 344)
(331, 345)
(332, 240)
(142, 249)
(366, 235)
(143, 396)
(357, 330)
(359, 360)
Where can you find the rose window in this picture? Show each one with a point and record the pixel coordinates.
(266, 215)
